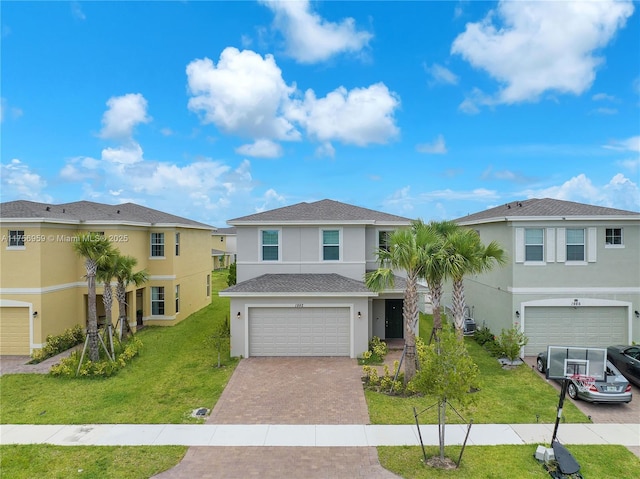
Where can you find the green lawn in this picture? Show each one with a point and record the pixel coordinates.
(175, 373)
(505, 396)
(513, 462)
(63, 462)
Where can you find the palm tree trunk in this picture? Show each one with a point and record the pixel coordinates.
(121, 297)
(107, 300)
(92, 328)
(436, 299)
(410, 313)
(458, 306)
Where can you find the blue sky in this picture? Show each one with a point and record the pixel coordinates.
(214, 110)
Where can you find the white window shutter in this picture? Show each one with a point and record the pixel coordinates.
(551, 245)
(561, 257)
(519, 245)
(592, 244)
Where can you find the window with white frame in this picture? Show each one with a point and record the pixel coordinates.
(613, 237)
(534, 244)
(575, 244)
(177, 298)
(331, 245)
(16, 238)
(383, 240)
(177, 244)
(157, 300)
(270, 244)
(157, 244)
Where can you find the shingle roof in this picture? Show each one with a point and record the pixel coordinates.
(87, 211)
(544, 208)
(226, 231)
(314, 284)
(318, 211)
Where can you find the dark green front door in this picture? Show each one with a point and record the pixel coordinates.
(393, 319)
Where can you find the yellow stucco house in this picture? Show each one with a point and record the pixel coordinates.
(42, 281)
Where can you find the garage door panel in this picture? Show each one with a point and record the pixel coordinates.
(14, 331)
(584, 326)
(299, 332)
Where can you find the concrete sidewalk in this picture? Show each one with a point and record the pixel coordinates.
(286, 435)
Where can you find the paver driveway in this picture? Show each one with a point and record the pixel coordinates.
(287, 391)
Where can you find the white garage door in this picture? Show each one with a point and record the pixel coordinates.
(299, 332)
(583, 326)
(14, 331)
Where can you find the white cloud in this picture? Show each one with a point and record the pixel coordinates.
(310, 38)
(441, 75)
(537, 47)
(630, 144)
(124, 114)
(438, 146)
(124, 155)
(7, 111)
(20, 183)
(166, 131)
(261, 148)
(270, 200)
(605, 111)
(77, 12)
(360, 116)
(243, 94)
(326, 149)
(620, 192)
(632, 165)
(603, 97)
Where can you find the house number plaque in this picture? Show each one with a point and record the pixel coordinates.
(298, 305)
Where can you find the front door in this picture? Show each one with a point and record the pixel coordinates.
(393, 319)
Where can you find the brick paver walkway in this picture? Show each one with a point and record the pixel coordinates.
(293, 391)
(287, 391)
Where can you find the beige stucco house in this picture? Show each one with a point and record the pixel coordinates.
(572, 276)
(42, 286)
(300, 281)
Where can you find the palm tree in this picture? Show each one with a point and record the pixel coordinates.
(105, 274)
(435, 268)
(407, 250)
(465, 254)
(96, 251)
(125, 276)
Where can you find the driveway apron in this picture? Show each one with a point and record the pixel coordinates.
(287, 391)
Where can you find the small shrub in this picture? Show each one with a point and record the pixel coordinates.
(58, 344)
(376, 353)
(511, 342)
(232, 275)
(103, 368)
(483, 335)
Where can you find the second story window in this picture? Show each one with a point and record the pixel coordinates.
(331, 245)
(534, 244)
(575, 244)
(177, 244)
(383, 240)
(16, 238)
(157, 244)
(270, 245)
(613, 237)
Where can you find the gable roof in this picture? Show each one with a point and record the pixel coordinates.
(299, 285)
(323, 211)
(545, 208)
(92, 213)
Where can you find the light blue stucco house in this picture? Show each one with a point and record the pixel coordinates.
(572, 276)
